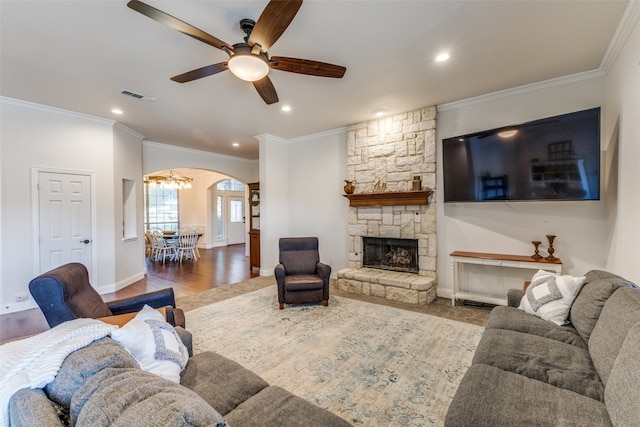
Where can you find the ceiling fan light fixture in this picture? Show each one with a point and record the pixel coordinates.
(248, 67)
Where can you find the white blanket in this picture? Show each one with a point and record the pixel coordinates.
(34, 362)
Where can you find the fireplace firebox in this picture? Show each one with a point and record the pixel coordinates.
(390, 254)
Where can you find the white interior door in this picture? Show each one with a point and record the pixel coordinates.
(235, 223)
(64, 209)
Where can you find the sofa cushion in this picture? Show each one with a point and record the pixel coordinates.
(275, 406)
(154, 344)
(83, 364)
(549, 361)
(594, 294)
(618, 315)
(549, 296)
(221, 382)
(135, 398)
(302, 282)
(489, 397)
(623, 387)
(30, 407)
(517, 320)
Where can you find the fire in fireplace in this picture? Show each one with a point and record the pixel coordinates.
(390, 254)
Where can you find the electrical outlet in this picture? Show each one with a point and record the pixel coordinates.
(21, 297)
(500, 280)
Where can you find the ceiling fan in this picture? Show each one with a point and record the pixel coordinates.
(249, 60)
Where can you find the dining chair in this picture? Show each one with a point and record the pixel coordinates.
(161, 249)
(148, 244)
(187, 245)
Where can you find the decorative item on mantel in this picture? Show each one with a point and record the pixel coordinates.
(536, 255)
(417, 183)
(349, 187)
(380, 187)
(551, 250)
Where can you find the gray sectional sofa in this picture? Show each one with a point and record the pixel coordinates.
(530, 372)
(102, 385)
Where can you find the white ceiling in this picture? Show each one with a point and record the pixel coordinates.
(79, 55)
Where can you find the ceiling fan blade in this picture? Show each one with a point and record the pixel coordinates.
(275, 18)
(209, 70)
(306, 66)
(177, 24)
(266, 90)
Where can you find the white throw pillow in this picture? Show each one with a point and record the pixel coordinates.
(549, 296)
(154, 344)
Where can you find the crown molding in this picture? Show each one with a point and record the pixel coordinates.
(331, 132)
(269, 137)
(54, 110)
(129, 131)
(312, 136)
(558, 81)
(627, 24)
(196, 152)
(625, 28)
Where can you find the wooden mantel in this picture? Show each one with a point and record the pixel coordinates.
(403, 198)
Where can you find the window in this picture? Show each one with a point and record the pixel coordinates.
(235, 211)
(219, 216)
(161, 208)
(230, 185)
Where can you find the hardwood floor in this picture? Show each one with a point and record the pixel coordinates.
(216, 267)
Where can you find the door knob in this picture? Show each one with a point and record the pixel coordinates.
(85, 241)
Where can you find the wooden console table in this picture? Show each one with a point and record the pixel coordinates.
(459, 258)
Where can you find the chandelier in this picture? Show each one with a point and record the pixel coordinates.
(171, 181)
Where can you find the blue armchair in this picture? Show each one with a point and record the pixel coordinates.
(65, 293)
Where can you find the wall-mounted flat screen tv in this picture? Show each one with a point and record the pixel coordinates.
(557, 158)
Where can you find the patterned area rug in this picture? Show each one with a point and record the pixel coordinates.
(370, 364)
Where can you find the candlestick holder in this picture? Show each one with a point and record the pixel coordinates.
(550, 249)
(536, 255)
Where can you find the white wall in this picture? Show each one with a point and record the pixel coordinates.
(36, 136)
(509, 227)
(301, 183)
(622, 131)
(274, 199)
(129, 253)
(156, 156)
(197, 207)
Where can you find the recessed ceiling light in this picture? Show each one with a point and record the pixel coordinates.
(235, 144)
(508, 133)
(379, 113)
(442, 57)
(286, 108)
(117, 111)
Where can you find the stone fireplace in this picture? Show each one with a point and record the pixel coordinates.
(388, 153)
(390, 254)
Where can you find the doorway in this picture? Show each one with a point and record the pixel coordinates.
(236, 221)
(64, 220)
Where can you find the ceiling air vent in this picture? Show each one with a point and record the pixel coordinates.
(137, 95)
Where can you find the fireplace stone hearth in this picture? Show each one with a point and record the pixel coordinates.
(390, 153)
(403, 287)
